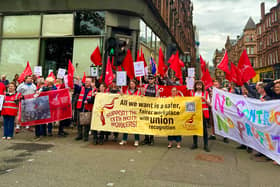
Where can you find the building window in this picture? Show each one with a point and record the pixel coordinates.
(143, 31)
(57, 25)
(89, 23)
(16, 52)
(252, 50)
(149, 36)
(248, 50)
(82, 49)
(21, 26)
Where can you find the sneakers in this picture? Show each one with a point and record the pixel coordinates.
(123, 142)
(136, 143)
(3, 138)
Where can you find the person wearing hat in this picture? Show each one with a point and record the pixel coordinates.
(199, 90)
(150, 90)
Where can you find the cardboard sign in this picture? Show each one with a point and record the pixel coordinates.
(191, 72)
(121, 78)
(94, 71)
(38, 71)
(61, 73)
(139, 69)
(1, 101)
(190, 83)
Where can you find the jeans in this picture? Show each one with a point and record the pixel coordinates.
(175, 138)
(205, 134)
(136, 137)
(43, 129)
(9, 123)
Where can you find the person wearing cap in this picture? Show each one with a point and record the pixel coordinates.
(200, 91)
(150, 90)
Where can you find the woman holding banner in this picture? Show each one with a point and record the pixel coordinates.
(131, 90)
(199, 90)
(178, 139)
(10, 110)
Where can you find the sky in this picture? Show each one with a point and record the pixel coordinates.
(216, 19)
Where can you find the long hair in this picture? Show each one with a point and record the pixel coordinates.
(199, 82)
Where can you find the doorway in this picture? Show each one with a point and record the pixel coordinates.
(55, 54)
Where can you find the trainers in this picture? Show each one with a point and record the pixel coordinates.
(123, 142)
(212, 137)
(3, 138)
(136, 143)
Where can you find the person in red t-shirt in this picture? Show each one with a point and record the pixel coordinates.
(2, 88)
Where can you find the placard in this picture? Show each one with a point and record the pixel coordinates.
(61, 73)
(1, 101)
(191, 72)
(190, 83)
(139, 69)
(65, 78)
(94, 71)
(121, 78)
(38, 71)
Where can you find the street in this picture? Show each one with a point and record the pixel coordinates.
(55, 161)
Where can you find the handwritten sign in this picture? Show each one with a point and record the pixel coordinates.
(190, 83)
(191, 72)
(139, 69)
(61, 73)
(94, 71)
(121, 78)
(1, 101)
(38, 71)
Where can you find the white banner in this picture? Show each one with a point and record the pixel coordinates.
(251, 122)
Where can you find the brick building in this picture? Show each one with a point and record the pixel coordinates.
(268, 44)
(48, 33)
(219, 74)
(246, 41)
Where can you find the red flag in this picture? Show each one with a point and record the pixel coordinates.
(109, 73)
(206, 77)
(95, 57)
(128, 64)
(26, 71)
(71, 70)
(84, 78)
(176, 65)
(162, 67)
(245, 67)
(235, 75)
(223, 65)
(202, 64)
(51, 75)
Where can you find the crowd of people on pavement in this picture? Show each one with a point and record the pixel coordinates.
(83, 98)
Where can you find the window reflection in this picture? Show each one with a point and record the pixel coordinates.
(89, 23)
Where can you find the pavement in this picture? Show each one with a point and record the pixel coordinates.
(55, 161)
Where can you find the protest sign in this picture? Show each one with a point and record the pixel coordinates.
(48, 107)
(61, 73)
(94, 71)
(250, 122)
(121, 78)
(38, 71)
(143, 115)
(191, 72)
(65, 78)
(139, 69)
(1, 101)
(190, 83)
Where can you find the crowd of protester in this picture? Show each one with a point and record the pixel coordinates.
(83, 97)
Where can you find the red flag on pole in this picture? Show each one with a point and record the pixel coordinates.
(128, 65)
(206, 77)
(71, 70)
(223, 65)
(162, 67)
(52, 76)
(235, 75)
(176, 65)
(84, 78)
(95, 57)
(245, 67)
(26, 71)
(109, 73)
